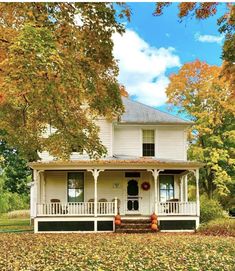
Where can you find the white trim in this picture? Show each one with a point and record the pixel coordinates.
(186, 188)
(126, 124)
(123, 167)
(177, 217)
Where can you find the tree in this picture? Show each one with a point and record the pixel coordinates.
(57, 69)
(203, 10)
(15, 173)
(199, 91)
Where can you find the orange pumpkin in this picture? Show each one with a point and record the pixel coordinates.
(117, 217)
(154, 221)
(118, 222)
(153, 216)
(154, 227)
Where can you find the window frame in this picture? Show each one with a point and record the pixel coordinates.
(67, 185)
(166, 190)
(154, 143)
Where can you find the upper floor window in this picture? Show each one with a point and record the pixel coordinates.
(75, 187)
(148, 143)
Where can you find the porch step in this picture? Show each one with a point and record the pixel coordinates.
(133, 230)
(134, 226)
(136, 221)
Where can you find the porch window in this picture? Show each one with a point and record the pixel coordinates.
(166, 187)
(75, 187)
(148, 143)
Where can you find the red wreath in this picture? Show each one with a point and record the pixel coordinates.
(145, 186)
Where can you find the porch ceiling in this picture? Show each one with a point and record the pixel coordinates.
(115, 163)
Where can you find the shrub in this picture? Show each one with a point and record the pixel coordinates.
(18, 202)
(13, 201)
(210, 209)
(4, 202)
(221, 226)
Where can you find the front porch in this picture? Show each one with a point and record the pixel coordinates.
(96, 191)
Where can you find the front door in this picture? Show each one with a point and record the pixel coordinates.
(132, 196)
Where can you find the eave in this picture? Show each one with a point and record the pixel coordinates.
(112, 164)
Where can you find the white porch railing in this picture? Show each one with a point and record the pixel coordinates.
(177, 208)
(76, 209)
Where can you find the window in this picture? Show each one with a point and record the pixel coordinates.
(148, 143)
(75, 187)
(166, 187)
(132, 174)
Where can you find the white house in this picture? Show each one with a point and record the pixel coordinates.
(145, 171)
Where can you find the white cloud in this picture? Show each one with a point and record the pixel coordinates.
(209, 38)
(143, 68)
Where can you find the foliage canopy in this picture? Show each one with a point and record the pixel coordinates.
(57, 69)
(200, 91)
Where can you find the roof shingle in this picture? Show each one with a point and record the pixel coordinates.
(136, 112)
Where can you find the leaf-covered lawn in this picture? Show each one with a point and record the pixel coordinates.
(115, 252)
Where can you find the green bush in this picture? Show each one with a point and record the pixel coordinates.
(4, 200)
(221, 226)
(210, 209)
(13, 201)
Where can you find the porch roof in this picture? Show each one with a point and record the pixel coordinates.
(123, 162)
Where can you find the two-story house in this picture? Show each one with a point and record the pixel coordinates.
(145, 172)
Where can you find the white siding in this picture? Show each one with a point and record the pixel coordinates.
(56, 186)
(171, 143)
(106, 134)
(128, 141)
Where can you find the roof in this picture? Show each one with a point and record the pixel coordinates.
(136, 112)
(117, 162)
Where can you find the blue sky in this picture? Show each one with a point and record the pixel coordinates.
(154, 47)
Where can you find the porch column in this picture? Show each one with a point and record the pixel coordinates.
(95, 172)
(35, 191)
(197, 191)
(32, 199)
(43, 188)
(155, 173)
(38, 190)
(186, 188)
(181, 188)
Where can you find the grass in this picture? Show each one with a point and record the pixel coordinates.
(15, 221)
(70, 252)
(18, 214)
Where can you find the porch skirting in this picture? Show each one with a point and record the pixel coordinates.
(107, 224)
(73, 224)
